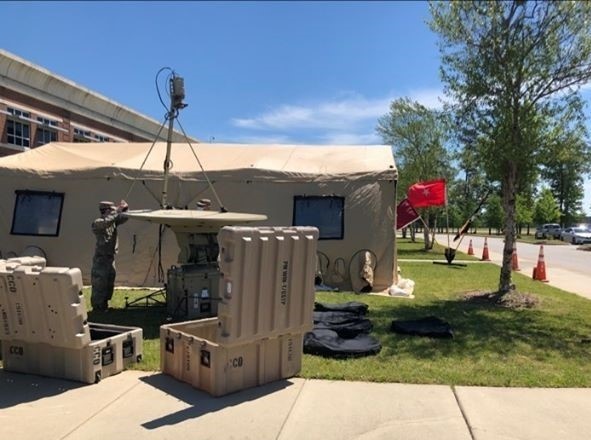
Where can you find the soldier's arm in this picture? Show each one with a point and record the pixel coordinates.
(120, 219)
(103, 223)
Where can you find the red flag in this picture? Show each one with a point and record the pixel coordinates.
(405, 214)
(431, 193)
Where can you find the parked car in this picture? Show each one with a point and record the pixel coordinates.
(548, 230)
(576, 235)
(565, 232)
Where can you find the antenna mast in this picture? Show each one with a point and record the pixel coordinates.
(177, 94)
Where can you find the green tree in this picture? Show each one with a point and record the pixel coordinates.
(418, 137)
(546, 209)
(524, 211)
(508, 68)
(494, 213)
(567, 159)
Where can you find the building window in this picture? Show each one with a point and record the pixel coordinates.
(101, 138)
(81, 135)
(37, 213)
(46, 121)
(17, 113)
(45, 136)
(17, 133)
(324, 212)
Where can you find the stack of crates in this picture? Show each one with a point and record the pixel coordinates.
(266, 290)
(44, 327)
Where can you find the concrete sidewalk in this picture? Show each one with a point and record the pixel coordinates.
(142, 405)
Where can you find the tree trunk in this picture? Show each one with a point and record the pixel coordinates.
(426, 236)
(508, 190)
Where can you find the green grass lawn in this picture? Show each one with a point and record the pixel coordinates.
(408, 250)
(492, 346)
(548, 346)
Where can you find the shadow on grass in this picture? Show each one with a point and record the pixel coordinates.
(479, 329)
(148, 318)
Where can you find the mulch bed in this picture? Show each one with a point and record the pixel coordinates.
(512, 300)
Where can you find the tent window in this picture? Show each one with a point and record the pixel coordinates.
(37, 213)
(324, 212)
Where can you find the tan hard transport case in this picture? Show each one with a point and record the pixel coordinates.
(44, 326)
(266, 306)
(190, 352)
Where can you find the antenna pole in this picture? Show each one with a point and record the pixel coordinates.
(177, 94)
(167, 164)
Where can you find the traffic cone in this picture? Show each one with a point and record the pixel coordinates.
(514, 261)
(485, 256)
(470, 249)
(540, 270)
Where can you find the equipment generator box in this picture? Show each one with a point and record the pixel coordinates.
(192, 291)
(44, 327)
(191, 352)
(266, 281)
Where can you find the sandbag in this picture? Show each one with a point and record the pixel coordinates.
(324, 342)
(358, 308)
(430, 326)
(347, 325)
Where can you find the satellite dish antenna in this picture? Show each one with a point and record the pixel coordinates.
(191, 288)
(183, 220)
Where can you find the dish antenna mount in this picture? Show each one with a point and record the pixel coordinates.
(177, 95)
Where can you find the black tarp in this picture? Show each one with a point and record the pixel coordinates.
(341, 331)
(430, 326)
(324, 342)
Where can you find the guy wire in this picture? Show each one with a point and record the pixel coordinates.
(222, 208)
(146, 158)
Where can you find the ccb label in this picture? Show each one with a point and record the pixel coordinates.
(237, 362)
(17, 350)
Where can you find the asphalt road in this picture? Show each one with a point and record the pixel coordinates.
(566, 267)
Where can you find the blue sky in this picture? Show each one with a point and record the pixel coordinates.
(272, 72)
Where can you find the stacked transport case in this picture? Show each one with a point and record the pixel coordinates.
(265, 306)
(266, 290)
(45, 330)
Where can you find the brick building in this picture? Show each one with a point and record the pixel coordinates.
(38, 107)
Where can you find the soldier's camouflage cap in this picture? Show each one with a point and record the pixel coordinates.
(106, 205)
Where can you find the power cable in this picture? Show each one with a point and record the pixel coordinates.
(158, 86)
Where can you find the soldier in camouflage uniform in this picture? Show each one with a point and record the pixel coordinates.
(103, 263)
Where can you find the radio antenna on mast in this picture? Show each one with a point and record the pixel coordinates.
(177, 95)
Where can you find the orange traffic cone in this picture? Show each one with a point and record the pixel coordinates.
(540, 270)
(470, 249)
(485, 256)
(514, 261)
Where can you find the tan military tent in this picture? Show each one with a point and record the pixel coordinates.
(50, 197)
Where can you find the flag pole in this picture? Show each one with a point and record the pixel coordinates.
(447, 219)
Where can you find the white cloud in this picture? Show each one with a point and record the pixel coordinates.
(344, 113)
(430, 98)
(271, 139)
(352, 139)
